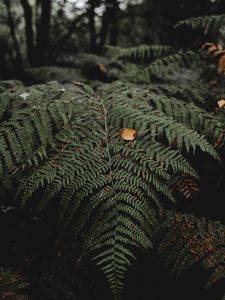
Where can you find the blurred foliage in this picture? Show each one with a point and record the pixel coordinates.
(37, 33)
(11, 286)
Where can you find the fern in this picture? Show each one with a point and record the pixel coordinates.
(186, 240)
(165, 67)
(64, 145)
(165, 64)
(144, 53)
(211, 23)
(68, 147)
(185, 113)
(186, 185)
(198, 119)
(30, 131)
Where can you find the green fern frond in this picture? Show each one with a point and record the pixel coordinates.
(183, 92)
(203, 95)
(186, 240)
(144, 53)
(211, 23)
(71, 150)
(197, 119)
(65, 145)
(28, 133)
(143, 104)
(24, 133)
(163, 67)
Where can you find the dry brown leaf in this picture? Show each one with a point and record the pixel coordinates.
(221, 103)
(212, 49)
(102, 68)
(221, 65)
(207, 45)
(218, 52)
(129, 134)
(218, 142)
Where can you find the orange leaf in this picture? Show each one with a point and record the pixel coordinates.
(218, 142)
(212, 49)
(221, 65)
(207, 45)
(102, 68)
(218, 52)
(129, 134)
(221, 103)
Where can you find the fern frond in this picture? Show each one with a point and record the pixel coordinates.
(211, 23)
(186, 240)
(196, 118)
(144, 53)
(186, 185)
(182, 92)
(30, 131)
(76, 155)
(21, 135)
(143, 104)
(163, 67)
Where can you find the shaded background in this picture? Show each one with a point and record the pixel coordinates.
(34, 33)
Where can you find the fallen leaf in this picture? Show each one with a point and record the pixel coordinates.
(221, 103)
(206, 45)
(221, 65)
(102, 68)
(129, 134)
(212, 49)
(218, 52)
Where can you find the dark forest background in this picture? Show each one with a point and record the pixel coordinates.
(38, 33)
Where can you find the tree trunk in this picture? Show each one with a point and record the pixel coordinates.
(106, 20)
(109, 25)
(43, 30)
(29, 31)
(18, 61)
(59, 44)
(92, 29)
(36, 53)
(113, 35)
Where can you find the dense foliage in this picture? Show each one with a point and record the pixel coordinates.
(109, 157)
